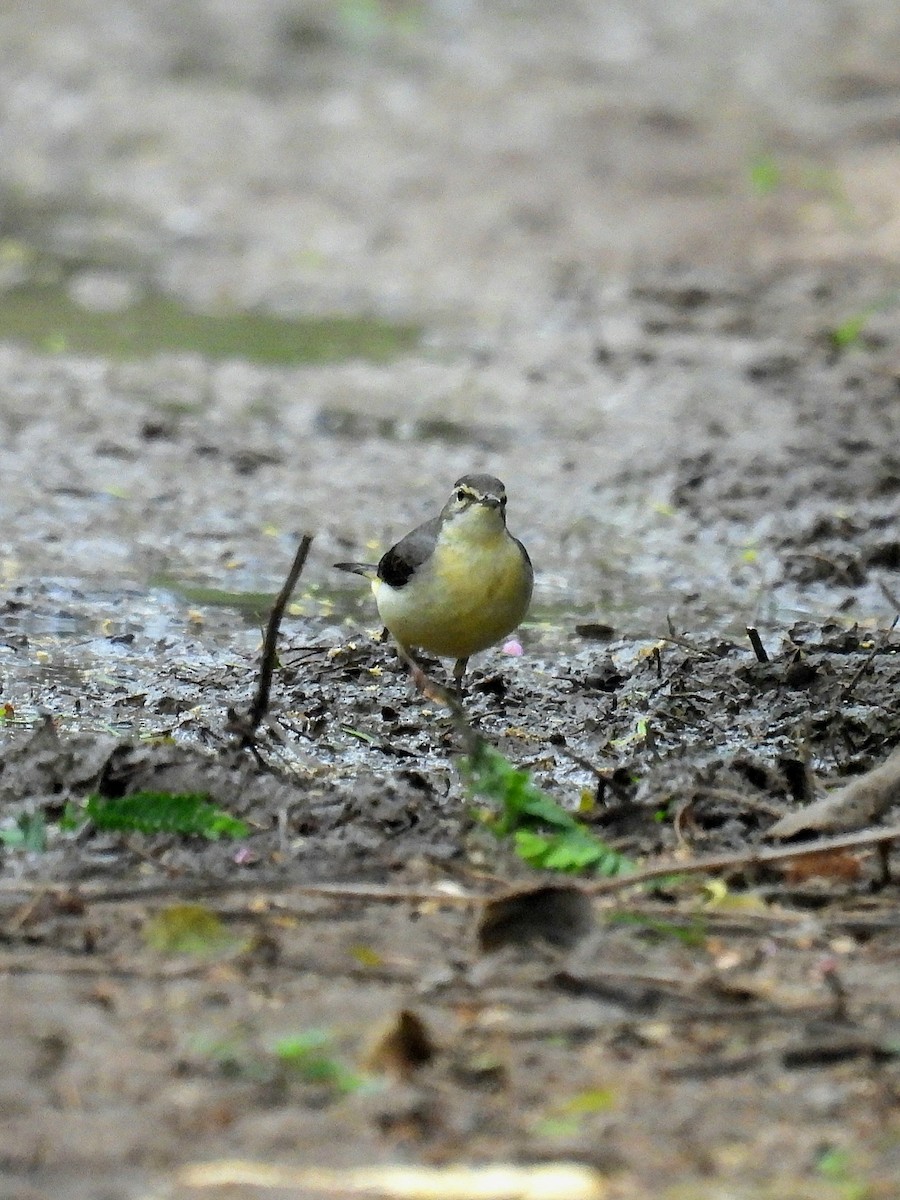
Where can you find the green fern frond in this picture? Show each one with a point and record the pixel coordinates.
(163, 812)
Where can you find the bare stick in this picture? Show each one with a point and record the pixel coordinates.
(756, 642)
(585, 763)
(246, 726)
(708, 864)
(752, 858)
(277, 891)
(867, 663)
(685, 644)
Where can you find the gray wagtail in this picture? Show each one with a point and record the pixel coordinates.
(459, 582)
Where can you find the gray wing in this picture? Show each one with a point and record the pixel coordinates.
(527, 557)
(402, 561)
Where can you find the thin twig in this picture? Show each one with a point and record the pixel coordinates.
(271, 889)
(889, 596)
(756, 642)
(601, 775)
(714, 1068)
(707, 864)
(752, 858)
(685, 644)
(38, 964)
(866, 664)
(247, 725)
(732, 796)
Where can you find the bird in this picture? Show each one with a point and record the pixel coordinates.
(456, 584)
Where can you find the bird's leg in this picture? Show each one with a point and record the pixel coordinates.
(459, 670)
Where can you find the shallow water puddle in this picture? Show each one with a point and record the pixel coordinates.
(45, 315)
(147, 659)
(311, 600)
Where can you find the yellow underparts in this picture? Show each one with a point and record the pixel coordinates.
(474, 589)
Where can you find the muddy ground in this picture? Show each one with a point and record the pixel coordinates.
(654, 261)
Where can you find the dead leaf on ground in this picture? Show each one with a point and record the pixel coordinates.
(830, 864)
(558, 914)
(402, 1047)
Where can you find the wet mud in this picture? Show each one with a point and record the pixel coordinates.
(692, 393)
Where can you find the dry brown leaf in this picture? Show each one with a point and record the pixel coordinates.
(830, 864)
(558, 914)
(402, 1047)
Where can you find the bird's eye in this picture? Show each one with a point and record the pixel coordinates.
(462, 495)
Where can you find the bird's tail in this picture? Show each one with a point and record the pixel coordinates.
(367, 569)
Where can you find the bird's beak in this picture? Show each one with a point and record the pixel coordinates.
(490, 501)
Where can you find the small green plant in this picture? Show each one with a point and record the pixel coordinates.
(309, 1057)
(189, 929)
(156, 812)
(366, 20)
(850, 331)
(768, 175)
(838, 1167)
(544, 833)
(28, 833)
(567, 1117)
(765, 175)
(693, 934)
(571, 851)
